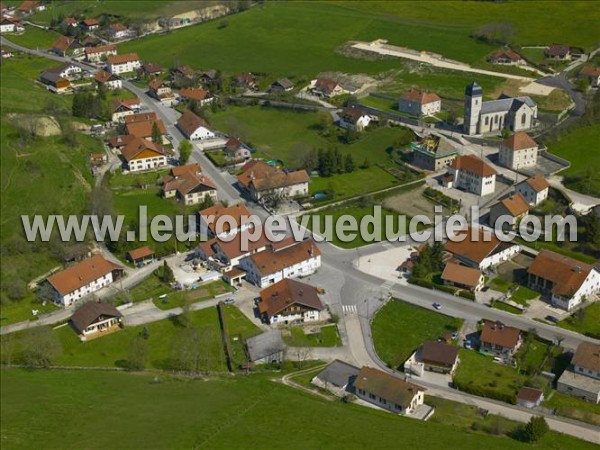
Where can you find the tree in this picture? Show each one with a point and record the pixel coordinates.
(137, 353)
(41, 347)
(349, 163)
(102, 91)
(156, 136)
(366, 164)
(536, 428)
(583, 84)
(69, 134)
(166, 274)
(185, 151)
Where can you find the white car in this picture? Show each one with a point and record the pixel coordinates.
(437, 306)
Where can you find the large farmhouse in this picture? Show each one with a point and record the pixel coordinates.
(260, 180)
(290, 301)
(472, 174)
(477, 251)
(189, 185)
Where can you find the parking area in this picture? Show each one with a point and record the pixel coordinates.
(545, 165)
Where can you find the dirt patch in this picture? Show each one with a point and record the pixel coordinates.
(40, 125)
(557, 100)
(350, 51)
(356, 82)
(410, 203)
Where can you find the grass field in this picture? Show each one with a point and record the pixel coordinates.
(327, 336)
(399, 328)
(587, 322)
(34, 38)
(574, 408)
(203, 292)
(164, 412)
(507, 308)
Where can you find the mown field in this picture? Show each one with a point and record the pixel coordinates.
(157, 411)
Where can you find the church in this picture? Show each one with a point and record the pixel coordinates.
(513, 113)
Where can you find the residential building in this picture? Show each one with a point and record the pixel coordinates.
(54, 82)
(567, 281)
(189, 185)
(161, 91)
(118, 31)
(120, 64)
(387, 391)
(282, 85)
(107, 79)
(433, 153)
(337, 377)
(6, 53)
(261, 180)
(10, 25)
(67, 46)
(510, 209)
(151, 69)
(289, 301)
(31, 6)
(90, 24)
(142, 154)
(201, 96)
(480, 249)
(94, 319)
(142, 125)
(68, 71)
(246, 80)
(592, 73)
(268, 267)
(462, 277)
(582, 378)
(439, 357)
(529, 397)
(208, 77)
(100, 53)
(194, 127)
(266, 348)
(223, 221)
(324, 87)
(69, 22)
(470, 173)
(226, 253)
(141, 255)
(183, 75)
(558, 52)
(353, 118)
(419, 103)
(235, 150)
(512, 113)
(518, 151)
(499, 340)
(83, 278)
(534, 189)
(122, 108)
(506, 56)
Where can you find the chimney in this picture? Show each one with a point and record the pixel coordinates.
(577, 269)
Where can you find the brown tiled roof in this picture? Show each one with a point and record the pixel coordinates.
(194, 94)
(237, 213)
(473, 165)
(529, 394)
(473, 249)
(152, 68)
(254, 169)
(457, 273)
(439, 353)
(269, 262)
(280, 179)
(537, 182)
(185, 70)
(141, 117)
(519, 141)
(100, 49)
(28, 5)
(102, 76)
(156, 84)
(138, 145)
(122, 59)
(567, 274)
(88, 313)
(233, 248)
(421, 97)
(515, 204)
(505, 53)
(245, 78)
(351, 115)
(590, 71)
(383, 385)
(187, 178)
(118, 27)
(587, 356)
(63, 43)
(140, 253)
(81, 274)
(69, 21)
(233, 144)
(144, 129)
(121, 140)
(179, 171)
(190, 122)
(235, 272)
(90, 22)
(285, 293)
(499, 334)
(325, 84)
(558, 50)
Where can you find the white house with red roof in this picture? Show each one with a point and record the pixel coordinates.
(290, 301)
(189, 185)
(472, 174)
(518, 151)
(10, 25)
(126, 63)
(534, 189)
(419, 103)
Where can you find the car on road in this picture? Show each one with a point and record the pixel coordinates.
(468, 344)
(552, 319)
(437, 306)
(169, 137)
(455, 335)
(229, 301)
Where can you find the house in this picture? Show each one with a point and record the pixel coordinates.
(518, 151)
(592, 73)
(10, 25)
(90, 25)
(183, 75)
(324, 87)
(529, 397)
(534, 189)
(161, 91)
(289, 301)
(208, 77)
(142, 125)
(419, 103)
(338, 376)
(499, 340)
(462, 277)
(266, 348)
(246, 80)
(151, 69)
(439, 357)
(506, 57)
(387, 391)
(122, 108)
(473, 175)
(223, 221)
(475, 250)
(118, 31)
(119, 64)
(568, 281)
(107, 79)
(198, 95)
(90, 41)
(83, 278)
(94, 319)
(261, 180)
(235, 150)
(281, 85)
(54, 82)
(582, 379)
(194, 127)
(69, 22)
(189, 185)
(353, 118)
(100, 53)
(142, 154)
(141, 255)
(67, 70)
(558, 52)
(433, 153)
(225, 253)
(67, 46)
(510, 209)
(6, 53)
(512, 113)
(30, 6)
(268, 267)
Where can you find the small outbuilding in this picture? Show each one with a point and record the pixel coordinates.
(142, 255)
(266, 348)
(95, 319)
(530, 397)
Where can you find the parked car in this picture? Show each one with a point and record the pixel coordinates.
(455, 335)
(229, 301)
(437, 306)
(468, 344)
(552, 319)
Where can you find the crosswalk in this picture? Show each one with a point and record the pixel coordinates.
(349, 309)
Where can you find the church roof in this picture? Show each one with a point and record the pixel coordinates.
(473, 89)
(505, 104)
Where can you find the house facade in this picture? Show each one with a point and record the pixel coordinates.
(189, 185)
(462, 277)
(506, 57)
(10, 25)
(473, 175)
(194, 127)
(510, 209)
(582, 378)
(93, 319)
(480, 253)
(499, 340)
(518, 151)
(120, 64)
(439, 357)
(142, 154)
(100, 53)
(530, 397)
(419, 103)
(107, 79)
(123, 108)
(534, 189)
(433, 153)
(261, 180)
(354, 119)
(324, 87)
(222, 221)
(289, 301)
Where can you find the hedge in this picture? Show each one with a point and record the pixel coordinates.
(481, 391)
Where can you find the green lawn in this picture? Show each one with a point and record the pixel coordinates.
(34, 38)
(398, 329)
(164, 412)
(328, 336)
(523, 294)
(20, 310)
(574, 408)
(500, 284)
(204, 292)
(507, 308)
(586, 322)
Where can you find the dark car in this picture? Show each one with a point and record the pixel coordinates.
(552, 319)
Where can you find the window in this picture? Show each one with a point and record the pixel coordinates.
(523, 119)
(487, 120)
